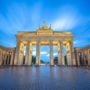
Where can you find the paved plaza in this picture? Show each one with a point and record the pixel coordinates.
(44, 78)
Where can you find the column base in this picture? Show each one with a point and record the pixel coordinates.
(51, 65)
(71, 65)
(37, 65)
(61, 65)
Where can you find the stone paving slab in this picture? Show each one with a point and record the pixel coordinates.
(44, 78)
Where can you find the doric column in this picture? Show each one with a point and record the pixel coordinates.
(38, 53)
(5, 58)
(51, 53)
(88, 57)
(78, 61)
(73, 61)
(21, 54)
(1, 54)
(12, 58)
(58, 53)
(62, 61)
(70, 53)
(28, 57)
(68, 49)
(27, 52)
(8, 58)
(84, 60)
(17, 53)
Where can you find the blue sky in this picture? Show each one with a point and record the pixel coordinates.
(26, 15)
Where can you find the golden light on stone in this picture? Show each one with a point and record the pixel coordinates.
(44, 35)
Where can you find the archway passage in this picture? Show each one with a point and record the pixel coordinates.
(24, 55)
(33, 54)
(55, 54)
(65, 55)
(44, 55)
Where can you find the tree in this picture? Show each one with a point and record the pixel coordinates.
(56, 60)
(33, 59)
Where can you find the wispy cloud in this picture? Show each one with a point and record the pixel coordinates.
(25, 17)
(81, 43)
(9, 43)
(54, 54)
(34, 53)
(66, 20)
(34, 49)
(43, 52)
(47, 55)
(19, 18)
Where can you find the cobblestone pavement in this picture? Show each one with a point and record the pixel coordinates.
(44, 78)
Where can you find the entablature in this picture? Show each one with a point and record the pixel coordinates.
(45, 33)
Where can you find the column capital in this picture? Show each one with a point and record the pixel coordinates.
(71, 41)
(28, 41)
(19, 41)
(60, 41)
(50, 41)
(38, 40)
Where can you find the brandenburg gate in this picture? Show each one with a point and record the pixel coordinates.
(44, 36)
